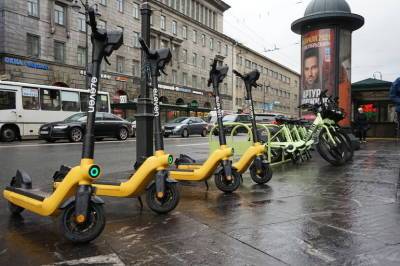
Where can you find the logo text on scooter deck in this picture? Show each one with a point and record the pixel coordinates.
(92, 97)
(156, 103)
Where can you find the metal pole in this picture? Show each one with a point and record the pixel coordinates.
(144, 115)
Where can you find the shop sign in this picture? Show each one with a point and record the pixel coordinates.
(19, 62)
(123, 99)
(103, 76)
(124, 79)
(180, 89)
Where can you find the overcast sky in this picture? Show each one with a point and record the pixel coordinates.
(265, 24)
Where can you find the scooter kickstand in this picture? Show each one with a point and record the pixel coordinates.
(140, 202)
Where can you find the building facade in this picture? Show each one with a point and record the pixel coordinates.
(279, 86)
(44, 42)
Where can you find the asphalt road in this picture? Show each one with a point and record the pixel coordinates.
(308, 214)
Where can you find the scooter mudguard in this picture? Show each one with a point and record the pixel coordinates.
(161, 176)
(93, 199)
(227, 166)
(22, 180)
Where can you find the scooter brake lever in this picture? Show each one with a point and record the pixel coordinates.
(108, 62)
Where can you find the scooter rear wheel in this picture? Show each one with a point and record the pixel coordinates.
(86, 231)
(263, 176)
(225, 185)
(165, 204)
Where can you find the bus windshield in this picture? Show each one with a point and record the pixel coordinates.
(76, 117)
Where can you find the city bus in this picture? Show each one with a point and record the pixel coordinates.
(25, 107)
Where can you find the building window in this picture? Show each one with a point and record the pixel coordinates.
(136, 39)
(33, 8)
(185, 56)
(101, 24)
(184, 79)
(59, 14)
(226, 50)
(183, 7)
(174, 77)
(194, 81)
(175, 52)
(120, 5)
(120, 64)
(194, 36)
(59, 52)
(174, 28)
(82, 22)
(136, 68)
(184, 32)
(203, 40)
(81, 56)
(33, 45)
(203, 62)
(162, 22)
(194, 59)
(103, 2)
(136, 10)
(203, 83)
(211, 43)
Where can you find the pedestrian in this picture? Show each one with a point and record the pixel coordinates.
(362, 124)
(395, 97)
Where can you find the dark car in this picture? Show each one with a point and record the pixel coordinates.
(185, 126)
(73, 128)
(235, 118)
(266, 118)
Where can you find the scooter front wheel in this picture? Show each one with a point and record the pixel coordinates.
(262, 175)
(225, 185)
(165, 204)
(86, 231)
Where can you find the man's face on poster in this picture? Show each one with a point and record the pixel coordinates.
(311, 71)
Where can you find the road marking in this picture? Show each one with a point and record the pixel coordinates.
(111, 259)
(97, 142)
(196, 144)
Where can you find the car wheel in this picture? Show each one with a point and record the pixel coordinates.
(185, 133)
(8, 134)
(204, 132)
(99, 139)
(123, 133)
(50, 140)
(166, 135)
(75, 134)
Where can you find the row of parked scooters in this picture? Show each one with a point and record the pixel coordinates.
(75, 196)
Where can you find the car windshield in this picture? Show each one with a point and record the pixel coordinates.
(229, 118)
(76, 117)
(178, 120)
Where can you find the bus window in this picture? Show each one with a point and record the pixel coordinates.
(30, 98)
(101, 103)
(70, 101)
(50, 99)
(7, 100)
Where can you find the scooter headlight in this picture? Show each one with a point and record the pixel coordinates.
(94, 171)
(170, 159)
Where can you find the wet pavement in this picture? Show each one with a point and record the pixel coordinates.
(309, 214)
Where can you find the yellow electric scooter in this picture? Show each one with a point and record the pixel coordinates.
(226, 178)
(82, 215)
(260, 170)
(162, 194)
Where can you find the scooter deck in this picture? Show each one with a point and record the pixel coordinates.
(31, 193)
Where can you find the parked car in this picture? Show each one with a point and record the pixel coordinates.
(212, 118)
(73, 128)
(133, 122)
(239, 118)
(266, 118)
(185, 126)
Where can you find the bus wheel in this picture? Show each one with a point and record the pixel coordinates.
(8, 134)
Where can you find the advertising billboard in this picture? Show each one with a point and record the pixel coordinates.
(318, 64)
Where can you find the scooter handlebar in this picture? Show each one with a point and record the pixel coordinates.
(237, 74)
